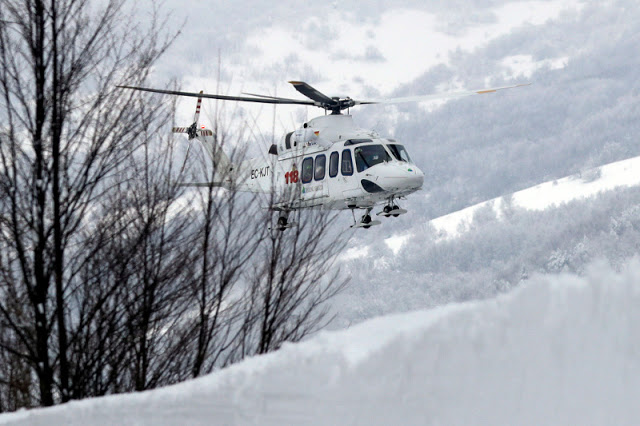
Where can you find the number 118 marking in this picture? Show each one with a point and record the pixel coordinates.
(291, 177)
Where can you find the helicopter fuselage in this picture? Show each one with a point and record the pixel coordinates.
(328, 162)
(331, 163)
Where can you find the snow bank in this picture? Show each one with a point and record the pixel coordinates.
(558, 350)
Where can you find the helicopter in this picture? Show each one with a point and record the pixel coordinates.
(328, 162)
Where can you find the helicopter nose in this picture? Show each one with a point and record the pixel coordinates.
(401, 177)
(416, 178)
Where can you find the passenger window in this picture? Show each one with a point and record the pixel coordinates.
(321, 162)
(307, 170)
(347, 165)
(287, 140)
(333, 164)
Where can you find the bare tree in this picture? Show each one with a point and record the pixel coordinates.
(65, 128)
(113, 276)
(289, 286)
(229, 236)
(264, 286)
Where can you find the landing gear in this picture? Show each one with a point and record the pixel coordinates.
(391, 209)
(365, 222)
(283, 221)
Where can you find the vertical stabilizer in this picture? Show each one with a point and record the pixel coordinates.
(208, 139)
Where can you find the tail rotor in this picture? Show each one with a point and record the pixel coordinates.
(195, 129)
(208, 140)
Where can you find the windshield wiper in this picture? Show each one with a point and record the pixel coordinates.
(363, 159)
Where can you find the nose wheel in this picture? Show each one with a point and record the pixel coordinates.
(391, 210)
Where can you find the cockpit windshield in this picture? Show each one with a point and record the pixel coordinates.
(370, 155)
(399, 152)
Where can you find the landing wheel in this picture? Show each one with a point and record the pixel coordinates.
(282, 222)
(366, 219)
(394, 208)
(387, 209)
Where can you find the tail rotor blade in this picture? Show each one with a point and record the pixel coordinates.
(197, 114)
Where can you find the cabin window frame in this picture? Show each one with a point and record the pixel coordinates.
(311, 170)
(287, 140)
(342, 163)
(324, 168)
(334, 155)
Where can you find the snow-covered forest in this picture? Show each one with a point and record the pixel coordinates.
(114, 279)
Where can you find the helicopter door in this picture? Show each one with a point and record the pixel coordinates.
(314, 189)
(350, 188)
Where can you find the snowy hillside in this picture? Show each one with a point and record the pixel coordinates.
(589, 183)
(491, 247)
(625, 173)
(559, 350)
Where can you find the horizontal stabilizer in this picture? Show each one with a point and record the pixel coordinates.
(201, 132)
(204, 184)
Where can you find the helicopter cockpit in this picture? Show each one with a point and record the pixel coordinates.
(371, 154)
(399, 152)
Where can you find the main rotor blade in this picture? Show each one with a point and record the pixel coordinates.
(438, 96)
(312, 93)
(269, 97)
(225, 97)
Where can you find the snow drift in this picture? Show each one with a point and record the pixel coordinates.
(561, 349)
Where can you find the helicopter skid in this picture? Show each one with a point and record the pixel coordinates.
(394, 212)
(283, 227)
(366, 225)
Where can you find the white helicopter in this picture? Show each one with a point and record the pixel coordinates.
(328, 162)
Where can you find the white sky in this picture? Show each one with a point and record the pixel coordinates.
(341, 54)
(409, 41)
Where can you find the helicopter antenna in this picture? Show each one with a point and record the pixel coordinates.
(215, 126)
(273, 122)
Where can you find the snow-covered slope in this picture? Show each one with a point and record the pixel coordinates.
(545, 195)
(558, 350)
(548, 194)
